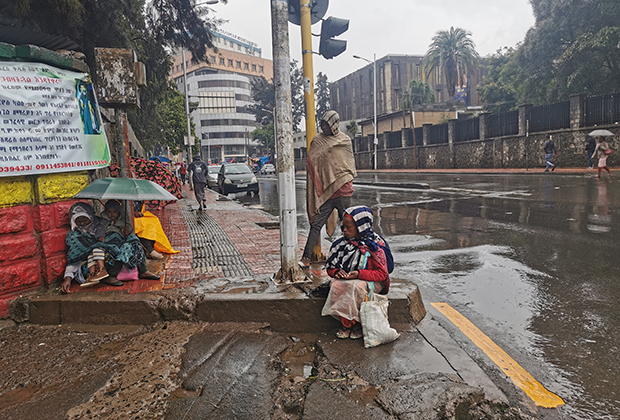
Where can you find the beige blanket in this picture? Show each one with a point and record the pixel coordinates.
(330, 165)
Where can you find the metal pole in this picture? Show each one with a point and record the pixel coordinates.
(289, 269)
(376, 140)
(186, 91)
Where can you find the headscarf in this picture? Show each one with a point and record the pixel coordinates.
(114, 204)
(333, 120)
(345, 253)
(81, 209)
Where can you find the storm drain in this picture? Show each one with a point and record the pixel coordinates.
(212, 249)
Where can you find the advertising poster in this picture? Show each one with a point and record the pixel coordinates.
(49, 121)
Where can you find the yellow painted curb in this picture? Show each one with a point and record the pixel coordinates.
(521, 378)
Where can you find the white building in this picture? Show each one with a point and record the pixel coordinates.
(223, 91)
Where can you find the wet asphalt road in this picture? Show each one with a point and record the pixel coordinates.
(530, 259)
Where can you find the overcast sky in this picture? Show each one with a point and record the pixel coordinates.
(385, 27)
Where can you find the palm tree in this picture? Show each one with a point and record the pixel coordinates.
(417, 93)
(453, 52)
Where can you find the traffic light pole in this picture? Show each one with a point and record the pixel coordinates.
(306, 47)
(283, 117)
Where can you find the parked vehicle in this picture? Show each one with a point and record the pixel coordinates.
(214, 170)
(268, 168)
(236, 177)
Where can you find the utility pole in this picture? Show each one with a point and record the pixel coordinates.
(186, 91)
(289, 268)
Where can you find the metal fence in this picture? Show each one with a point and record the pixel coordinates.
(438, 134)
(503, 124)
(468, 129)
(602, 109)
(419, 136)
(394, 140)
(550, 117)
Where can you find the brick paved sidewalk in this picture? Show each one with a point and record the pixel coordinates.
(253, 235)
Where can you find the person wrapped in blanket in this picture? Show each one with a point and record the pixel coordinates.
(152, 236)
(355, 261)
(84, 244)
(120, 234)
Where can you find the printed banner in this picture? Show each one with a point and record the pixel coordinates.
(49, 121)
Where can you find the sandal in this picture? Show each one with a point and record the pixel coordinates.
(344, 333)
(112, 281)
(356, 333)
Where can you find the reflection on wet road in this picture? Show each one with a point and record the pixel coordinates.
(529, 259)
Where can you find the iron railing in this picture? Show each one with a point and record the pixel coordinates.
(438, 134)
(503, 124)
(550, 117)
(602, 109)
(468, 129)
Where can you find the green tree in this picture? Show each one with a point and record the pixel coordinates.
(323, 96)
(496, 89)
(263, 96)
(417, 93)
(352, 128)
(454, 53)
(572, 48)
(265, 136)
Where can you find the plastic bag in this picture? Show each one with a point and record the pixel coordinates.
(126, 274)
(375, 324)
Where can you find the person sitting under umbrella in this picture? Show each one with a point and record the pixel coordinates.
(120, 233)
(152, 236)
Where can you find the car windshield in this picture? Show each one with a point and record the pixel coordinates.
(241, 168)
(214, 169)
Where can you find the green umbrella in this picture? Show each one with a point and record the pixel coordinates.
(125, 189)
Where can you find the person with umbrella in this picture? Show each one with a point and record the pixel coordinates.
(603, 151)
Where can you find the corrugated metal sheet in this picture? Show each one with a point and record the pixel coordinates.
(12, 33)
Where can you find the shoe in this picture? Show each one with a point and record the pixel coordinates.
(89, 283)
(112, 281)
(147, 275)
(343, 333)
(590, 167)
(356, 333)
(546, 170)
(156, 255)
(99, 276)
(302, 266)
(553, 169)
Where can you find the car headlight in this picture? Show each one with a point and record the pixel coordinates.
(227, 181)
(253, 180)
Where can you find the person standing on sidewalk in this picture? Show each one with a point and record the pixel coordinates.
(549, 148)
(603, 151)
(590, 147)
(199, 171)
(330, 172)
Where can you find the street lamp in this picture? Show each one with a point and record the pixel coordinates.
(374, 65)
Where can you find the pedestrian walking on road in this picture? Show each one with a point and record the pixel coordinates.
(590, 147)
(603, 151)
(330, 172)
(355, 260)
(183, 173)
(549, 148)
(199, 171)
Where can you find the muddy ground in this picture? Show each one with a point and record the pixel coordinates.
(188, 371)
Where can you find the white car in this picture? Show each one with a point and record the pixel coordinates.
(268, 168)
(214, 170)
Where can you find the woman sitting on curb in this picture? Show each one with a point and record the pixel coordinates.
(354, 260)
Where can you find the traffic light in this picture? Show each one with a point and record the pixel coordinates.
(330, 28)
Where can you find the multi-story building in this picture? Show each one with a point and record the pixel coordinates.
(353, 95)
(222, 88)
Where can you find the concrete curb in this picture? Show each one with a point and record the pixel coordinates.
(291, 312)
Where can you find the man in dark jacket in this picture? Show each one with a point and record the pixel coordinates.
(549, 148)
(199, 171)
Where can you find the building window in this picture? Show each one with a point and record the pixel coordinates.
(230, 63)
(238, 64)
(177, 67)
(246, 66)
(224, 41)
(216, 103)
(222, 61)
(223, 83)
(253, 67)
(239, 47)
(261, 69)
(213, 60)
